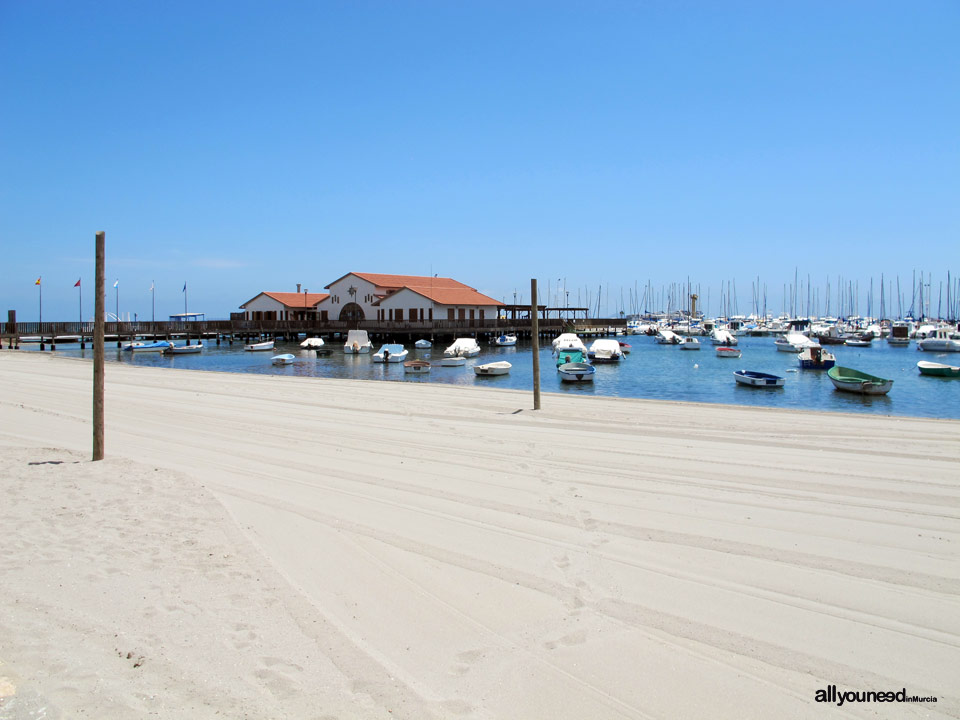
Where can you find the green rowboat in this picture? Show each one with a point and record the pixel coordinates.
(938, 369)
(854, 381)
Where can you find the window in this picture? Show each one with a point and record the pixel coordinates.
(472, 311)
(449, 313)
(462, 313)
(412, 314)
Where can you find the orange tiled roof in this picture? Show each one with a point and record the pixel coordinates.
(462, 295)
(292, 299)
(411, 281)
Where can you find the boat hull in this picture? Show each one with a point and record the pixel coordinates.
(854, 381)
(259, 347)
(749, 378)
(498, 368)
(728, 352)
(938, 370)
(576, 372)
(416, 367)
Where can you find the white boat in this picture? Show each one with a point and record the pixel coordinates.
(494, 368)
(728, 352)
(605, 351)
(416, 367)
(184, 349)
(505, 340)
(793, 342)
(463, 347)
(258, 347)
(757, 379)
(454, 361)
(312, 343)
(690, 343)
(155, 346)
(667, 337)
(568, 341)
(358, 343)
(423, 344)
(285, 359)
(858, 342)
(722, 336)
(576, 372)
(390, 353)
(942, 340)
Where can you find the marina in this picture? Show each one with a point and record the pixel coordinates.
(651, 371)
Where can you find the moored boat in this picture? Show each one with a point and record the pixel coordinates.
(855, 381)
(938, 369)
(690, 343)
(184, 349)
(942, 340)
(358, 343)
(416, 367)
(423, 344)
(570, 356)
(453, 361)
(793, 342)
(504, 340)
(463, 347)
(155, 346)
(314, 343)
(605, 351)
(390, 353)
(576, 372)
(284, 359)
(259, 347)
(816, 358)
(568, 341)
(752, 378)
(858, 342)
(728, 352)
(494, 368)
(667, 337)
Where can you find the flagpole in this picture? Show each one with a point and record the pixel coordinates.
(116, 286)
(184, 301)
(80, 298)
(153, 301)
(40, 286)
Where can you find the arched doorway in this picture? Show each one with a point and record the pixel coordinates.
(351, 313)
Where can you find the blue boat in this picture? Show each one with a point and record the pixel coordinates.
(751, 378)
(157, 346)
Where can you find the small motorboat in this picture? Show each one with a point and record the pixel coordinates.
(156, 346)
(358, 343)
(816, 358)
(423, 344)
(285, 359)
(314, 343)
(505, 340)
(667, 337)
(850, 380)
(689, 343)
(494, 368)
(858, 342)
(416, 367)
(942, 340)
(463, 347)
(259, 347)
(729, 352)
(576, 372)
(751, 378)
(568, 341)
(793, 342)
(454, 361)
(605, 351)
(184, 349)
(391, 353)
(938, 369)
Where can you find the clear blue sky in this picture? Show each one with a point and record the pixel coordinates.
(246, 146)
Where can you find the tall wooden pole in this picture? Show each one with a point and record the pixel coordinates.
(100, 310)
(535, 338)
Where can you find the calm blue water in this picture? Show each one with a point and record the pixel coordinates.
(651, 371)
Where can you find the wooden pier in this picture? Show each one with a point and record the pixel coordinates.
(49, 335)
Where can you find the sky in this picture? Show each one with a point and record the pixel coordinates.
(240, 146)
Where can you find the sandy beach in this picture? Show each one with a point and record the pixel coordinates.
(271, 547)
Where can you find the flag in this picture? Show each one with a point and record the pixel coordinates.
(151, 287)
(37, 282)
(77, 283)
(184, 288)
(116, 283)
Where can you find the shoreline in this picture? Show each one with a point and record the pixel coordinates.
(275, 546)
(525, 393)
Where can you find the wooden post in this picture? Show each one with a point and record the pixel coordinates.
(98, 352)
(535, 339)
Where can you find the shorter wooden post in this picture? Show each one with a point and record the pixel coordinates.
(535, 338)
(98, 352)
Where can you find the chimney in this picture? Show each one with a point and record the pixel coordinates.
(298, 287)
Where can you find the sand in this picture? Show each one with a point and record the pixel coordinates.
(273, 547)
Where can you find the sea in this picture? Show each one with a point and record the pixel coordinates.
(649, 371)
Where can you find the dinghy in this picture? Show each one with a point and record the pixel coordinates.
(576, 372)
(285, 359)
(850, 380)
(184, 349)
(938, 369)
(416, 367)
(258, 347)
(751, 378)
(728, 352)
(494, 368)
